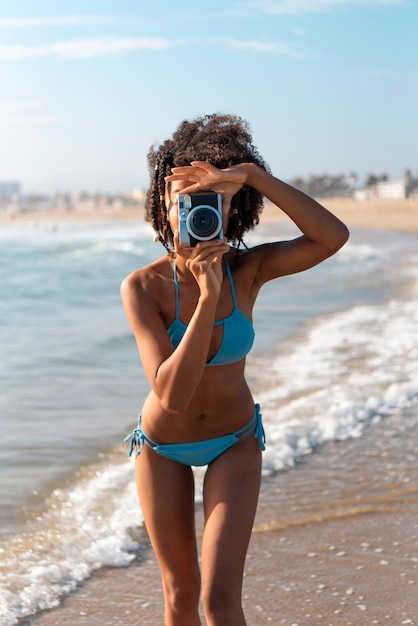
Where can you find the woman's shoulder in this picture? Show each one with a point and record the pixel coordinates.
(147, 279)
(248, 266)
(247, 259)
(150, 272)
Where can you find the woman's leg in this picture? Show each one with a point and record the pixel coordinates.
(230, 495)
(166, 494)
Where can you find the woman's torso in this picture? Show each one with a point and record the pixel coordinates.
(223, 401)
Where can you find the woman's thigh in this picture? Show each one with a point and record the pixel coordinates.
(166, 494)
(230, 494)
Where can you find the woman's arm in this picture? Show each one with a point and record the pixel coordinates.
(175, 374)
(323, 232)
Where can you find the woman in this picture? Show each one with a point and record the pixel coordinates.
(191, 313)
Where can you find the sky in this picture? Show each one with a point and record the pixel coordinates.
(327, 86)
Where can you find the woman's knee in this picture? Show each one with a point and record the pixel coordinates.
(221, 599)
(182, 596)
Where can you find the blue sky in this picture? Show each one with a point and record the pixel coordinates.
(86, 86)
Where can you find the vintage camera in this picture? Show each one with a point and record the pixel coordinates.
(200, 217)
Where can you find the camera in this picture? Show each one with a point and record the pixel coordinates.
(200, 218)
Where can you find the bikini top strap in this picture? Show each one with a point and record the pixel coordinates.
(176, 288)
(231, 282)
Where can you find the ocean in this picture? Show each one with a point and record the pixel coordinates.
(336, 352)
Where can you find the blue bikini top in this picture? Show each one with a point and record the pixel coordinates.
(238, 331)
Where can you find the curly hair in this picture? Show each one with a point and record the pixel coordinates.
(223, 140)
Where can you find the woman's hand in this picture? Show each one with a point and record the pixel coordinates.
(203, 176)
(204, 262)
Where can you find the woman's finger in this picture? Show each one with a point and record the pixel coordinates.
(203, 253)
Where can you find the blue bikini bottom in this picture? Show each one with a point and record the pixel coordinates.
(198, 452)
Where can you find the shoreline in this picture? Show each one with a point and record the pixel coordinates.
(398, 215)
(333, 538)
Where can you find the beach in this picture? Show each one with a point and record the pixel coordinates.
(335, 537)
(399, 215)
(338, 549)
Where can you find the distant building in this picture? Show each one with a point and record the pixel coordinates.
(390, 190)
(9, 189)
(138, 195)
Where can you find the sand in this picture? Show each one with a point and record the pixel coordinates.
(335, 542)
(399, 215)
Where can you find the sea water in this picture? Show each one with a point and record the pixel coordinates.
(336, 350)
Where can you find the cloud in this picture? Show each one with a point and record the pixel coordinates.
(82, 48)
(273, 47)
(300, 7)
(63, 20)
(90, 48)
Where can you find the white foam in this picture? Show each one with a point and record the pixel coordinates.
(351, 368)
(41, 233)
(103, 248)
(360, 252)
(83, 528)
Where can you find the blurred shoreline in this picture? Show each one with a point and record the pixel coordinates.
(399, 215)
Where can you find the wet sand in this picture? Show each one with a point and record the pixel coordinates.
(335, 543)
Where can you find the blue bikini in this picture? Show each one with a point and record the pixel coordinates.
(237, 340)
(198, 452)
(238, 335)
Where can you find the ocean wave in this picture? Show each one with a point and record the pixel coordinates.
(349, 369)
(82, 528)
(343, 370)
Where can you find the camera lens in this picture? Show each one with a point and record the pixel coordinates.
(204, 223)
